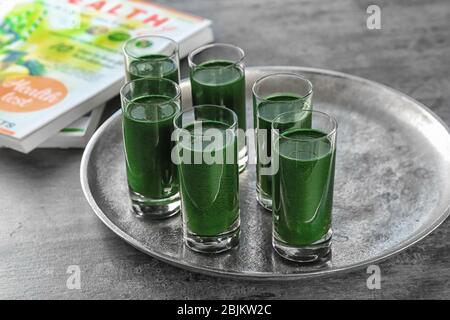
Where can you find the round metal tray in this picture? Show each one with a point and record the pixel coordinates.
(392, 184)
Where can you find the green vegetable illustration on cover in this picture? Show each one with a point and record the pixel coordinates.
(17, 26)
(26, 47)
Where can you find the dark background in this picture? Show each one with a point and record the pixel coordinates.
(46, 224)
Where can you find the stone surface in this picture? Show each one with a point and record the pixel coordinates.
(46, 224)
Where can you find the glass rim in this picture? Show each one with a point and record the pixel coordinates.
(216, 44)
(127, 43)
(172, 99)
(290, 74)
(185, 111)
(327, 136)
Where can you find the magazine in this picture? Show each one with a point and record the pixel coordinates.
(59, 59)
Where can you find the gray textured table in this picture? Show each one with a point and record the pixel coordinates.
(46, 225)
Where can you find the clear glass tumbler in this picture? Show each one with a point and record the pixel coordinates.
(208, 171)
(151, 56)
(148, 108)
(217, 74)
(273, 95)
(304, 152)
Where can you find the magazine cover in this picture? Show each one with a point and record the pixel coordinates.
(57, 54)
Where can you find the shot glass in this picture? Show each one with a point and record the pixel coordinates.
(206, 157)
(149, 107)
(273, 95)
(151, 57)
(217, 74)
(304, 149)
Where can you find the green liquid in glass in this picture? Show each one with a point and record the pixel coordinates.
(264, 114)
(303, 187)
(147, 130)
(220, 83)
(209, 192)
(153, 66)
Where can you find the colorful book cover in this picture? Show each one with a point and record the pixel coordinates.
(56, 54)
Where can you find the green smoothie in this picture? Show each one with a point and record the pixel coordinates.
(147, 129)
(221, 83)
(265, 112)
(303, 187)
(153, 66)
(209, 192)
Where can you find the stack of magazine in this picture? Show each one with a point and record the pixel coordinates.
(61, 60)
